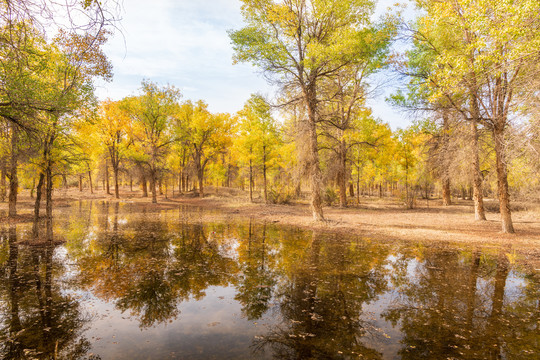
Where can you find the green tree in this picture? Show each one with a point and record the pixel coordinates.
(299, 43)
(152, 115)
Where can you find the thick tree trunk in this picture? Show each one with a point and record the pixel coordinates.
(116, 187)
(153, 187)
(478, 196)
(144, 186)
(502, 181)
(200, 175)
(13, 179)
(315, 175)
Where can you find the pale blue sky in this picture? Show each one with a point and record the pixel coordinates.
(185, 43)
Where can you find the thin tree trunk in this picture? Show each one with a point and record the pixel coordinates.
(502, 181)
(90, 182)
(116, 188)
(3, 171)
(13, 179)
(37, 204)
(264, 176)
(107, 177)
(48, 194)
(478, 196)
(80, 183)
(341, 178)
(446, 198)
(250, 181)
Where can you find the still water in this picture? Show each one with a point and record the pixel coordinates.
(121, 282)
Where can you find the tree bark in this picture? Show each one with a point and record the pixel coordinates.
(315, 175)
(341, 178)
(37, 204)
(478, 196)
(107, 177)
(264, 175)
(153, 187)
(3, 171)
(13, 178)
(200, 175)
(144, 186)
(90, 182)
(116, 188)
(502, 181)
(250, 181)
(446, 198)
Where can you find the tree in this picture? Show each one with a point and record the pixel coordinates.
(258, 139)
(484, 51)
(209, 136)
(112, 126)
(298, 43)
(152, 114)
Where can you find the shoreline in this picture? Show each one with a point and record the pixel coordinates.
(374, 218)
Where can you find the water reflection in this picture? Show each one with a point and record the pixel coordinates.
(254, 291)
(39, 319)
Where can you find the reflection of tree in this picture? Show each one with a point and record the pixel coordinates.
(147, 269)
(321, 300)
(453, 305)
(43, 322)
(257, 279)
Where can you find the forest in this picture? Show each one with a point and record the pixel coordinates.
(470, 71)
(299, 226)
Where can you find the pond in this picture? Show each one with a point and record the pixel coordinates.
(120, 281)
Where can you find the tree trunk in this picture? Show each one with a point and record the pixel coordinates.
(144, 186)
(341, 178)
(116, 188)
(315, 175)
(13, 179)
(264, 175)
(3, 171)
(107, 177)
(90, 182)
(153, 187)
(48, 194)
(446, 199)
(478, 196)
(250, 181)
(37, 204)
(200, 175)
(80, 182)
(502, 181)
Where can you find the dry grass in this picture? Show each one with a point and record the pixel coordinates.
(374, 218)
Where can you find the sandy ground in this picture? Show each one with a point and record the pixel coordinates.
(374, 218)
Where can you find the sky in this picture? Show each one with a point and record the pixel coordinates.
(185, 43)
